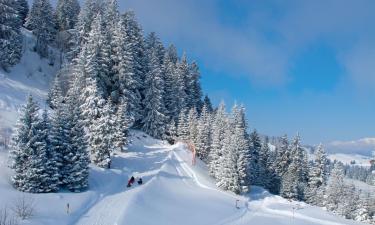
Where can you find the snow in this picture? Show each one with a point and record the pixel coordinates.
(174, 192)
(31, 76)
(360, 160)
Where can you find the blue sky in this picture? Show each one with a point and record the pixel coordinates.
(298, 66)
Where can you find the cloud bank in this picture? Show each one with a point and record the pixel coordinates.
(365, 146)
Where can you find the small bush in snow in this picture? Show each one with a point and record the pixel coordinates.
(24, 207)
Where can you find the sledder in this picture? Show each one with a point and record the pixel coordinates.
(131, 181)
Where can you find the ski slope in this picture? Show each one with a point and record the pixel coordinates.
(174, 192)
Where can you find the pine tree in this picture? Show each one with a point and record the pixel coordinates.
(183, 126)
(89, 11)
(282, 161)
(60, 140)
(194, 87)
(182, 76)
(289, 183)
(219, 126)
(227, 175)
(124, 65)
(51, 163)
(23, 9)
(154, 48)
(207, 102)
(66, 14)
(55, 96)
(265, 167)
(172, 134)
(29, 154)
(101, 137)
(43, 25)
(335, 188)
(255, 146)
(154, 122)
(23, 143)
(10, 34)
(203, 139)
(137, 49)
(241, 148)
(299, 158)
(317, 177)
(192, 120)
(171, 85)
(123, 123)
(77, 160)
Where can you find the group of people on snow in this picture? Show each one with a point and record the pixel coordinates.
(132, 180)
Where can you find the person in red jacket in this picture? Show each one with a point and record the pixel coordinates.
(131, 181)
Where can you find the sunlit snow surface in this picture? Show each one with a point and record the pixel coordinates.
(32, 75)
(174, 192)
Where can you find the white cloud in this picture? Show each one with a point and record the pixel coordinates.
(364, 146)
(264, 47)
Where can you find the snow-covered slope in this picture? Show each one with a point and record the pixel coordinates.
(31, 76)
(174, 192)
(351, 159)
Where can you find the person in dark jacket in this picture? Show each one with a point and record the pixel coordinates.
(140, 181)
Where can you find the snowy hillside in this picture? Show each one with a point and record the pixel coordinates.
(32, 75)
(351, 159)
(174, 192)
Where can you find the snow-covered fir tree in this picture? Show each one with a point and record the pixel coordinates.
(42, 23)
(182, 73)
(77, 160)
(203, 139)
(334, 189)
(227, 174)
(23, 10)
(255, 146)
(10, 34)
(154, 48)
(299, 158)
(171, 85)
(154, 122)
(55, 96)
(241, 146)
(51, 162)
(194, 88)
(101, 137)
(90, 10)
(208, 104)
(219, 126)
(123, 122)
(30, 152)
(192, 120)
(66, 14)
(60, 140)
(183, 126)
(124, 67)
(318, 176)
(266, 170)
(137, 50)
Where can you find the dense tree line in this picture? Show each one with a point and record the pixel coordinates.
(237, 160)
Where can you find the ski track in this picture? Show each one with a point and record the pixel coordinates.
(104, 209)
(108, 206)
